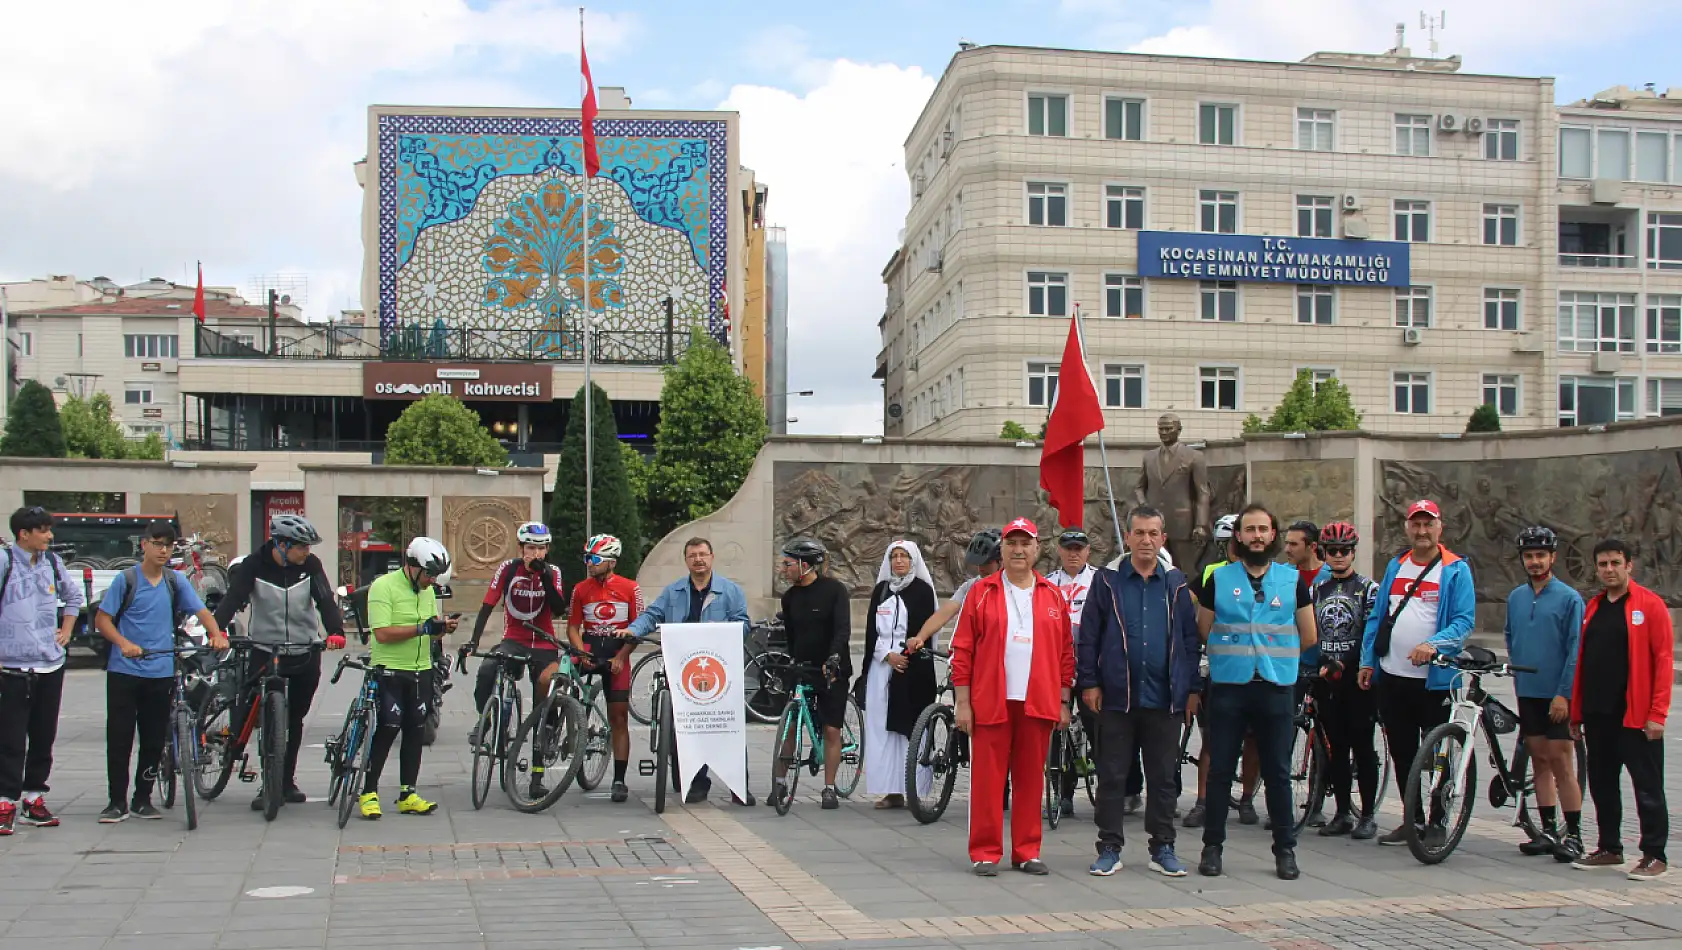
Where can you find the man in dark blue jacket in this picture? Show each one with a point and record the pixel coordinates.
(1135, 664)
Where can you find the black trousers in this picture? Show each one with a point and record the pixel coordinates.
(1409, 710)
(1268, 712)
(135, 704)
(1154, 733)
(1348, 715)
(28, 727)
(1612, 749)
(403, 699)
(303, 675)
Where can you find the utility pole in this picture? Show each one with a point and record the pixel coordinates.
(274, 298)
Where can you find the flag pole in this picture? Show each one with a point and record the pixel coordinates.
(589, 391)
(1103, 450)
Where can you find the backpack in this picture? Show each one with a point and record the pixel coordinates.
(131, 576)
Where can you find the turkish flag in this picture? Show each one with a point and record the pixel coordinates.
(592, 159)
(198, 296)
(1074, 416)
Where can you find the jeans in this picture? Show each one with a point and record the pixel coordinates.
(1408, 710)
(1612, 748)
(1155, 733)
(28, 727)
(1268, 712)
(135, 704)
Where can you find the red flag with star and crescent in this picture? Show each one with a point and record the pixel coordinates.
(592, 158)
(1075, 415)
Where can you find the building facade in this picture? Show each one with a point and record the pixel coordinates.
(1223, 225)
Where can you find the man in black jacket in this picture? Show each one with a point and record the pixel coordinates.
(818, 619)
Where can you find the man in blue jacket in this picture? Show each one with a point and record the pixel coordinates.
(1135, 663)
(1428, 607)
(702, 597)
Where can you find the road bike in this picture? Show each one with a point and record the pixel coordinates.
(266, 715)
(180, 759)
(662, 734)
(1311, 751)
(1444, 777)
(800, 740)
(347, 752)
(936, 745)
(1070, 755)
(494, 734)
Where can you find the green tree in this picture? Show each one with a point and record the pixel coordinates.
(439, 430)
(1014, 431)
(90, 431)
(1309, 408)
(639, 471)
(1485, 418)
(712, 425)
(614, 507)
(33, 429)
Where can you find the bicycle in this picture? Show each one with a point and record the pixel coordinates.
(1445, 771)
(181, 748)
(1070, 754)
(503, 709)
(937, 745)
(662, 736)
(266, 714)
(800, 741)
(555, 730)
(762, 689)
(347, 752)
(1311, 759)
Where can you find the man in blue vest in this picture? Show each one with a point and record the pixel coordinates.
(1256, 617)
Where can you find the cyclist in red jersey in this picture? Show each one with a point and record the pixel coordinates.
(528, 589)
(603, 606)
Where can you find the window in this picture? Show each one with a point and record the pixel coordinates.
(244, 339)
(1413, 392)
(1612, 160)
(1413, 135)
(1217, 212)
(1664, 241)
(1413, 307)
(1217, 124)
(1664, 397)
(1314, 304)
(1500, 309)
(1048, 115)
(1048, 294)
(1314, 216)
(142, 431)
(1314, 129)
(1664, 323)
(1501, 391)
(1042, 384)
(1587, 401)
(1220, 300)
(1124, 386)
(1652, 156)
(1319, 374)
(1596, 323)
(1124, 207)
(1048, 204)
(1500, 140)
(1124, 119)
(137, 394)
(1576, 153)
(151, 346)
(1500, 225)
(1124, 296)
(1217, 387)
(1413, 220)
(26, 343)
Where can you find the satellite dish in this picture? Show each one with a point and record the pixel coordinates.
(59, 382)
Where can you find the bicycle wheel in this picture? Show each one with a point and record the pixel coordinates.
(166, 773)
(598, 748)
(358, 735)
(664, 755)
(549, 748)
(1518, 775)
(217, 756)
(1085, 765)
(765, 685)
(787, 758)
(1056, 766)
(1308, 775)
(1440, 795)
(273, 751)
(852, 750)
(186, 756)
(1386, 768)
(484, 752)
(642, 688)
(933, 746)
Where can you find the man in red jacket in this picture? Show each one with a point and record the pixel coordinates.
(1013, 665)
(1618, 705)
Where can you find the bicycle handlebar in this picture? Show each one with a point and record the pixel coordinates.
(351, 662)
(175, 651)
(1493, 669)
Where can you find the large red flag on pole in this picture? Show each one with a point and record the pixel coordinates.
(1074, 416)
(198, 296)
(592, 159)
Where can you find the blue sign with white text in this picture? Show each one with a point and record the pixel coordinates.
(1272, 260)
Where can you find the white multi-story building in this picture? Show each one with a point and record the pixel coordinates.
(1385, 219)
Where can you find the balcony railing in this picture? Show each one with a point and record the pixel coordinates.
(1618, 261)
(439, 342)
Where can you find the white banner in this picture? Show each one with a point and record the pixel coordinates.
(704, 669)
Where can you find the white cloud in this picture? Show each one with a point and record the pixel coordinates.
(831, 158)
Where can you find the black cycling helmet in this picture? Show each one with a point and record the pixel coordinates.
(985, 545)
(1073, 538)
(806, 551)
(293, 529)
(1538, 538)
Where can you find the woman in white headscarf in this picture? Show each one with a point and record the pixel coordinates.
(894, 687)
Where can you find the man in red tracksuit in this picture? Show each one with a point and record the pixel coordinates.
(1013, 665)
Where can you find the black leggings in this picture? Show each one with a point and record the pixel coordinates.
(403, 698)
(1347, 713)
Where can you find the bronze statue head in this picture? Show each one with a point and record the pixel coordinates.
(1168, 428)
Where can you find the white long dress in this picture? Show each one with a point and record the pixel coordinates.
(884, 749)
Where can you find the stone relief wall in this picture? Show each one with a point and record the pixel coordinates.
(1635, 496)
(1318, 490)
(479, 533)
(214, 517)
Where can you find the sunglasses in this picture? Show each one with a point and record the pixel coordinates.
(596, 559)
(1337, 552)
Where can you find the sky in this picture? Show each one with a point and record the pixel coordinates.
(136, 138)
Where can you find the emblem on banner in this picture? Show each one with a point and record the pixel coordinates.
(703, 678)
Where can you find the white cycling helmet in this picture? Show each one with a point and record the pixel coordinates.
(1225, 526)
(429, 555)
(604, 546)
(533, 532)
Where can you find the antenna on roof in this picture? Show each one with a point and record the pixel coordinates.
(1431, 24)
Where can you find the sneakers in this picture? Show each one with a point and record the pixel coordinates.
(1394, 837)
(1194, 818)
(1285, 865)
(620, 792)
(145, 809)
(985, 868)
(1648, 869)
(831, 798)
(370, 802)
(412, 804)
(1165, 862)
(1341, 824)
(1109, 862)
(1032, 866)
(1601, 858)
(776, 797)
(473, 737)
(1436, 836)
(1210, 865)
(1570, 849)
(113, 813)
(8, 814)
(35, 813)
(1068, 806)
(1316, 819)
(1247, 812)
(1133, 804)
(536, 790)
(1365, 829)
(294, 795)
(747, 802)
(1545, 842)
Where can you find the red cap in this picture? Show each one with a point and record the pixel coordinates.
(1023, 525)
(1424, 506)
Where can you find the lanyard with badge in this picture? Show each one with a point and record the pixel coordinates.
(1024, 633)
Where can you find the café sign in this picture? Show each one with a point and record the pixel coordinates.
(1273, 260)
(469, 382)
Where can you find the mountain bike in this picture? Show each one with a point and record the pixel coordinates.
(1444, 777)
(662, 736)
(551, 742)
(347, 752)
(180, 759)
(800, 740)
(1311, 759)
(936, 745)
(494, 733)
(264, 690)
(1070, 754)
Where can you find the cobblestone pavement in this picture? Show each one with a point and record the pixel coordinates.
(591, 874)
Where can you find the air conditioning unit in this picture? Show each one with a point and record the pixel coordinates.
(912, 366)
(938, 264)
(1412, 336)
(1351, 202)
(1474, 126)
(1527, 343)
(1355, 228)
(1608, 363)
(1448, 122)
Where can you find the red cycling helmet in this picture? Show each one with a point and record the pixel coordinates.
(1339, 534)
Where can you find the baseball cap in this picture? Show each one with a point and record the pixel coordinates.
(1424, 506)
(1074, 537)
(1023, 525)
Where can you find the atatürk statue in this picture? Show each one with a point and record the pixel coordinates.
(1175, 481)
